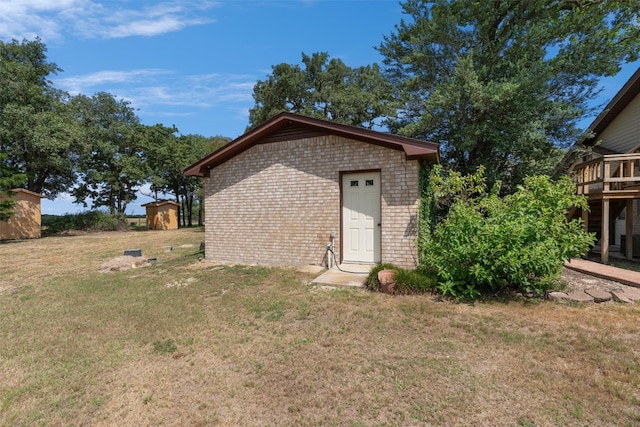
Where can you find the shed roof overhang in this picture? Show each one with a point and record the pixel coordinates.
(161, 203)
(25, 191)
(288, 126)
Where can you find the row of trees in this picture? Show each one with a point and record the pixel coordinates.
(498, 83)
(93, 147)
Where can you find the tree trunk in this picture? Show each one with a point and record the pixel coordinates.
(184, 223)
(176, 192)
(200, 212)
(190, 210)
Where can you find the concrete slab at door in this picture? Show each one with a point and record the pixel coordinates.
(361, 231)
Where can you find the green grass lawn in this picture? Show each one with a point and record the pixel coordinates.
(189, 342)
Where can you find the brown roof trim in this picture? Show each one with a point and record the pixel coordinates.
(413, 148)
(619, 102)
(23, 190)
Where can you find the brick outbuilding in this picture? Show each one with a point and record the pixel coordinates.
(280, 193)
(26, 221)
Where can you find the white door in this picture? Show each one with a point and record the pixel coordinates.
(361, 217)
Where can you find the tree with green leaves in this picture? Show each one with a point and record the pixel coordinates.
(160, 148)
(324, 88)
(502, 83)
(113, 165)
(190, 188)
(37, 132)
(168, 156)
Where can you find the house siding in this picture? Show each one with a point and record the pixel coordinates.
(623, 134)
(277, 203)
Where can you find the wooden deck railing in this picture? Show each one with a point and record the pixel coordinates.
(617, 172)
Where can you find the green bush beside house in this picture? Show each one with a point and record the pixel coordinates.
(483, 243)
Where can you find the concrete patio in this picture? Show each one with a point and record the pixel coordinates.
(349, 275)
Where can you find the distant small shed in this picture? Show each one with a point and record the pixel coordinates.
(26, 221)
(162, 215)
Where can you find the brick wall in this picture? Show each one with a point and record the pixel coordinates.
(277, 203)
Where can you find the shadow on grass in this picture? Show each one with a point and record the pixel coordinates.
(9, 242)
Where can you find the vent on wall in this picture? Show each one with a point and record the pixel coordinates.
(293, 132)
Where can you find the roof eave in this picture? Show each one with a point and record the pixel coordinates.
(25, 191)
(201, 167)
(619, 102)
(164, 202)
(412, 148)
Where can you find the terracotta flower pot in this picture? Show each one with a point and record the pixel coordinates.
(387, 279)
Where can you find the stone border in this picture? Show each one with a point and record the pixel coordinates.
(597, 295)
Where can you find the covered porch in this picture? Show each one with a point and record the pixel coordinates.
(611, 183)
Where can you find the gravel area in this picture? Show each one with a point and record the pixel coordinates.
(577, 281)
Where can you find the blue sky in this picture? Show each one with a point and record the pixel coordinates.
(193, 64)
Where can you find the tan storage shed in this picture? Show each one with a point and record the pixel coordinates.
(26, 222)
(162, 215)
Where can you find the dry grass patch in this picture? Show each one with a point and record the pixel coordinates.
(184, 342)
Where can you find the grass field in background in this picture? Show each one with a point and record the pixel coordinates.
(189, 342)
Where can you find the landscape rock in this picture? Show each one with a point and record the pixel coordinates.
(599, 295)
(580, 296)
(619, 296)
(632, 293)
(558, 296)
(580, 281)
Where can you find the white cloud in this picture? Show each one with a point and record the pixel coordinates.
(194, 91)
(93, 82)
(12, 7)
(147, 27)
(30, 18)
(151, 89)
(98, 19)
(148, 21)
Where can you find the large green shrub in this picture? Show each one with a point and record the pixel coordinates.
(486, 243)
